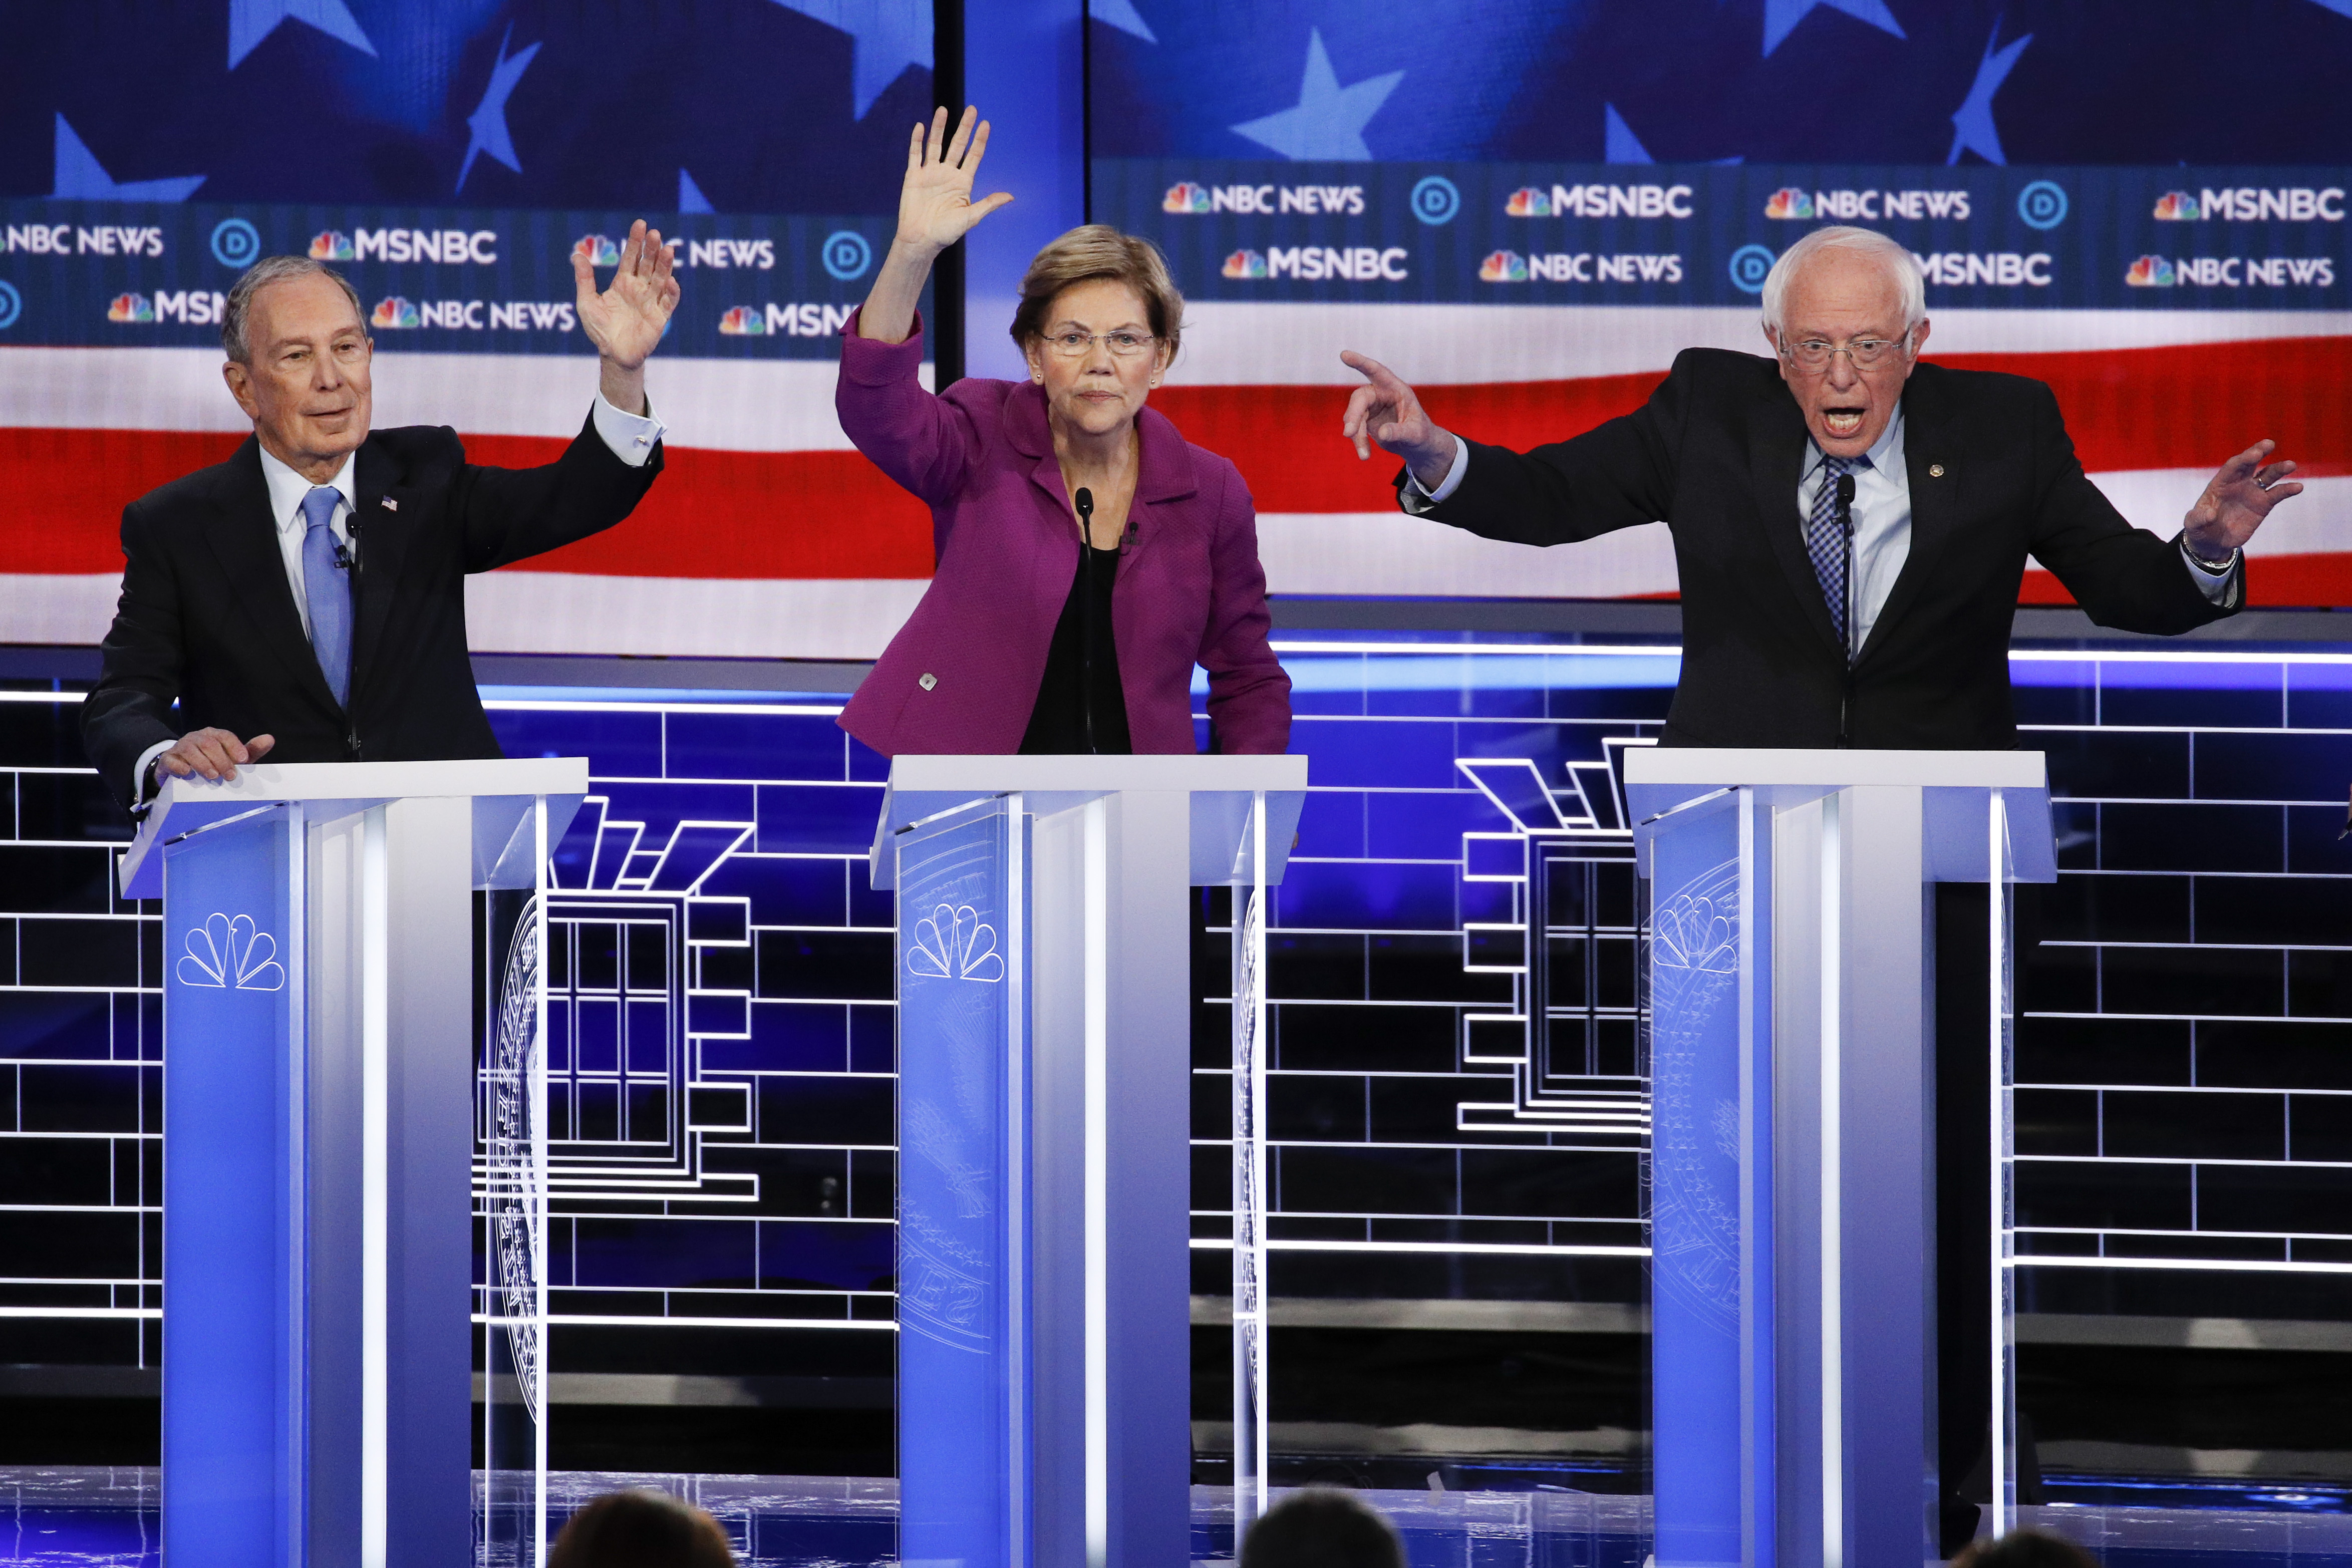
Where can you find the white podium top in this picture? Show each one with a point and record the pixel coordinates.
(1222, 789)
(1956, 786)
(334, 790)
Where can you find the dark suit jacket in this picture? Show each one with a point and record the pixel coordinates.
(207, 616)
(1717, 452)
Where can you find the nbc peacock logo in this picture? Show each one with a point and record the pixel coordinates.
(2178, 207)
(129, 308)
(1503, 267)
(599, 250)
(331, 245)
(1528, 202)
(744, 322)
(2150, 272)
(1184, 196)
(1789, 202)
(393, 312)
(1246, 263)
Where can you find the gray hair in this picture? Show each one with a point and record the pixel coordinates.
(1902, 268)
(260, 276)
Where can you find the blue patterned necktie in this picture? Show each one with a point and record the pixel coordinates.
(1825, 541)
(327, 588)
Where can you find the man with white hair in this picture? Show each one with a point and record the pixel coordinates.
(1850, 525)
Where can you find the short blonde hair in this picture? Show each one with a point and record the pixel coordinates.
(1092, 251)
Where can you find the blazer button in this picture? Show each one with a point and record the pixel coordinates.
(929, 681)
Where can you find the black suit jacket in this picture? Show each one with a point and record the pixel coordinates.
(1717, 453)
(208, 617)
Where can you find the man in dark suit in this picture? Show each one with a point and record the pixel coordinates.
(306, 599)
(1956, 477)
(1850, 527)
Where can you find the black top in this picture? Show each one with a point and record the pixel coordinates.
(1082, 672)
(1716, 452)
(207, 616)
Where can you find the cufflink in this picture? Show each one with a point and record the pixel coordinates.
(929, 681)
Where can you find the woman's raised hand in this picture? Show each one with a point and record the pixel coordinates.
(935, 205)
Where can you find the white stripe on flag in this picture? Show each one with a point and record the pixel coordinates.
(736, 618)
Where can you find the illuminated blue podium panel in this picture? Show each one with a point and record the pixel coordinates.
(1044, 1112)
(320, 1062)
(1792, 1201)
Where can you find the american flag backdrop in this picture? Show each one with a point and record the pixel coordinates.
(1525, 208)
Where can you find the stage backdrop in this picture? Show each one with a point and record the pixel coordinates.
(450, 160)
(1526, 208)
(2137, 204)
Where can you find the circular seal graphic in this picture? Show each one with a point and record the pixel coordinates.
(12, 305)
(2042, 204)
(1749, 265)
(846, 254)
(235, 243)
(1435, 200)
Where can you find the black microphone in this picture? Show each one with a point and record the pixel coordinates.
(1845, 521)
(1084, 502)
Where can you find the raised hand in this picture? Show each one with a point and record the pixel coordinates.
(935, 204)
(627, 320)
(2237, 499)
(1385, 410)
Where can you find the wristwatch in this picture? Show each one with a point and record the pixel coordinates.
(2216, 567)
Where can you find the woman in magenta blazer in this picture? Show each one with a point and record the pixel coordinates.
(1028, 641)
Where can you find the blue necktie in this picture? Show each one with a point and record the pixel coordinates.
(327, 588)
(1825, 541)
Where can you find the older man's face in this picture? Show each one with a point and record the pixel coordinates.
(1841, 297)
(307, 390)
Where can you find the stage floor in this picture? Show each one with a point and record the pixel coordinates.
(97, 1517)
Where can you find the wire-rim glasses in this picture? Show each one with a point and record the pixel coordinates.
(1814, 355)
(1077, 345)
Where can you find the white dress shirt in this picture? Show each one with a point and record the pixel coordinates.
(1882, 521)
(631, 437)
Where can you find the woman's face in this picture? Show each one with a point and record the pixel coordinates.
(1098, 390)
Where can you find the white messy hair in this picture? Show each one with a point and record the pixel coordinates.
(1901, 266)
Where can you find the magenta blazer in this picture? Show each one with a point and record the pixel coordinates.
(961, 677)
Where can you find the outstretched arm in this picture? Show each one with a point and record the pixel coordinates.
(934, 210)
(1384, 410)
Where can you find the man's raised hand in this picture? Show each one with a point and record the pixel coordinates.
(935, 204)
(1384, 410)
(627, 320)
(2237, 499)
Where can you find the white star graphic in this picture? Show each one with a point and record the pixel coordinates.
(488, 122)
(250, 21)
(80, 177)
(1780, 15)
(1330, 119)
(887, 36)
(1122, 14)
(1972, 126)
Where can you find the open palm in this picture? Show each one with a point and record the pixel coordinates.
(627, 320)
(935, 204)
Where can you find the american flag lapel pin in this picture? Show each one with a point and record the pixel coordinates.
(390, 505)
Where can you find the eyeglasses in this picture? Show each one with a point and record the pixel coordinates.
(1815, 353)
(1122, 345)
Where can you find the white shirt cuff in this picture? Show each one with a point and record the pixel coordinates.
(1453, 480)
(2213, 585)
(632, 436)
(140, 794)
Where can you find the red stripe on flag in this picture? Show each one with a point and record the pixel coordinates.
(2288, 581)
(711, 513)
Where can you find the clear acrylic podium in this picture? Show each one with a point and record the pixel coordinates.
(319, 1072)
(1045, 1111)
(1792, 1207)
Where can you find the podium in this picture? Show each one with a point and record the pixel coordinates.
(1045, 1166)
(319, 1108)
(1792, 1210)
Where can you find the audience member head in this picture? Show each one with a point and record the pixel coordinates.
(1322, 1527)
(641, 1530)
(2024, 1549)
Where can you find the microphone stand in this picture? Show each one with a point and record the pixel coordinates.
(1845, 525)
(1084, 502)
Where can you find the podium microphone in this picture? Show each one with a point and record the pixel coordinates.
(1845, 524)
(1084, 502)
